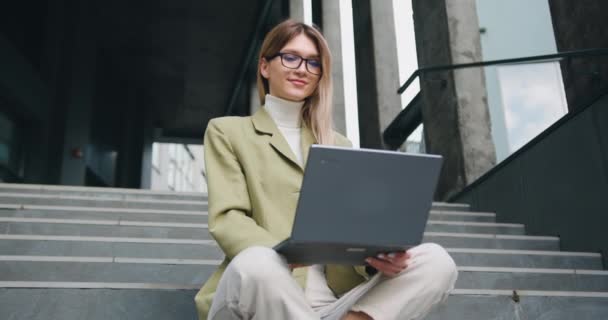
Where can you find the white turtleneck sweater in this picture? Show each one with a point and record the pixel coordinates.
(287, 116)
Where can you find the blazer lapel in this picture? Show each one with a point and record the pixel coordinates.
(263, 123)
(307, 140)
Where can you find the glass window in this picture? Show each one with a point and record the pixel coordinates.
(171, 152)
(187, 171)
(415, 142)
(171, 175)
(156, 155)
(177, 165)
(185, 156)
(179, 157)
(533, 99)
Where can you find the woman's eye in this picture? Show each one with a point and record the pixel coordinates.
(290, 57)
(314, 63)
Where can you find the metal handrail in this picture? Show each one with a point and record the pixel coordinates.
(403, 125)
(413, 107)
(566, 54)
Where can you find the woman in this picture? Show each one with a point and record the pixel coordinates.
(254, 171)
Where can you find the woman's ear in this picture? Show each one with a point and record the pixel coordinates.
(264, 65)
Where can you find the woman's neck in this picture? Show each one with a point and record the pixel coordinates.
(285, 113)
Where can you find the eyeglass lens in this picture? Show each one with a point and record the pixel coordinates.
(293, 61)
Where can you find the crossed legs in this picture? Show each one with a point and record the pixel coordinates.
(258, 285)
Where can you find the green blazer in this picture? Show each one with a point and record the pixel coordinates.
(254, 183)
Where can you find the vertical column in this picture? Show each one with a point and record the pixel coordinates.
(338, 30)
(301, 10)
(369, 124)
(254, 99)
(56, 70)
(146, 157)
(80, 99)
(455, 110)
(386, 61)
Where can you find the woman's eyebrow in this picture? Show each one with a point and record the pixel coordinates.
(316, 56)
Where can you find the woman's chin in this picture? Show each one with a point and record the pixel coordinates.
(296, 95)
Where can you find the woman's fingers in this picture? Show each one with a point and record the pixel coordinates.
(390, 264)
(398, 258)
(386, 267)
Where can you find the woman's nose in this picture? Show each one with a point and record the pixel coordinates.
(302, 68)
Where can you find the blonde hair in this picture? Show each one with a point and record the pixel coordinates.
(317, 109)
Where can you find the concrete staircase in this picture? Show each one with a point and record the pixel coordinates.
(90, 253)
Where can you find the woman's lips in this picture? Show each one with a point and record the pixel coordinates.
(298, 82)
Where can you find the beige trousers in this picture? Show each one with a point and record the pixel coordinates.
(258, 285)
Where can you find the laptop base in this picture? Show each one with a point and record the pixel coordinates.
(331, 253)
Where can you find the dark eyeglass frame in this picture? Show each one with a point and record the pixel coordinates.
(302, 59)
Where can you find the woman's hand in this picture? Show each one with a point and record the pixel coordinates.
(390, 264)
(296, 265)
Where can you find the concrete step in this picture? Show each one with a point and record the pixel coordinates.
(462, 216)
(492, 241)
(92, 203)
(198, 249)
(126, 228)
(499, 304)
(133, 301)
(503, 278)
(111, 247)
(196, 271)
(114, 247)
(108, 193)
(448, 240)
(97, 303)
(107, 214)
(22, 200)
(109, 228)
(45, 201)
(67, 212)
(475, 227)
(125, 193)
(444, 206)
(526, 258)
(106, 269)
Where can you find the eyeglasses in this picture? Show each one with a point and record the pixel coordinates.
(294, 61)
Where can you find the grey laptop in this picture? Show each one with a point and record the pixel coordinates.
(356, 203)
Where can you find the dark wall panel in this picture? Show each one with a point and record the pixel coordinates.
(556, 185)
(470, 199)
(564, 176)
(23, 23)
(491, 194)
(600, 121)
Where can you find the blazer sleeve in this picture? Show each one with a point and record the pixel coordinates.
(230, 221)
